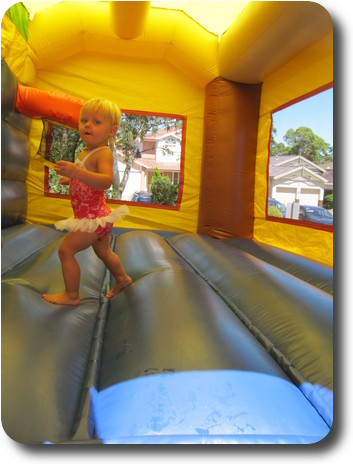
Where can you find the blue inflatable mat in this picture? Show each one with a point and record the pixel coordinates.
(206, 407)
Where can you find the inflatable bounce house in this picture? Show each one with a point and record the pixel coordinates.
(225, 335)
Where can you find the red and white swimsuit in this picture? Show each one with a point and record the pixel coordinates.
(91, 213)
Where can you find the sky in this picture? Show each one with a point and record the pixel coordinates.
(315, 112)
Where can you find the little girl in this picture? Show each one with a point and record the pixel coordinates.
(93, 220)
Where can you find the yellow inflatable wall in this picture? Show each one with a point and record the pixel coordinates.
(73, 48)
(310, 70)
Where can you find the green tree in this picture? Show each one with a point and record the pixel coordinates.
(276, 148)
(304, 142)
(65, 144)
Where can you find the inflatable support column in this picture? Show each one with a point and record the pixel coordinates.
(228, 163)
(15, 129)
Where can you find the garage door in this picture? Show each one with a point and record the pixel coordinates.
(309, 196)
(285, 195)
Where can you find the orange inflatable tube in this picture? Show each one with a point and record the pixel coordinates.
(36, 103)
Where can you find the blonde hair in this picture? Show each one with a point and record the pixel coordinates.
(108, 108)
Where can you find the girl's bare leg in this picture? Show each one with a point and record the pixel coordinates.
(72, 244)
(113, 263)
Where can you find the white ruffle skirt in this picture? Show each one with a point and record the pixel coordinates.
(90, 225)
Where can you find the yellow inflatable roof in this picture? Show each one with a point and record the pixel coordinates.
(216, 17)
(240, 41)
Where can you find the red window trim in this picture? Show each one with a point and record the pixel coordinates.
(133, 203)
(296, 222)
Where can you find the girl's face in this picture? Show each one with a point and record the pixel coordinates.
(95, 129)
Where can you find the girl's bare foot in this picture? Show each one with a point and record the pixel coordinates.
(120, 285)
(62, 298)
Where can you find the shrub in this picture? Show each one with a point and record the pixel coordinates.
(328, 201)
(162, 189)
(273, 211)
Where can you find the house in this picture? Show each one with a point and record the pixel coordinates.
(161, 150)
(295, 179)
(328, 176)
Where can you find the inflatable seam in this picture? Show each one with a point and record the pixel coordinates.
(298, 379)
(84, 427)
